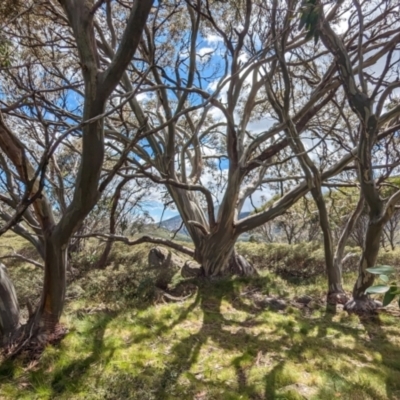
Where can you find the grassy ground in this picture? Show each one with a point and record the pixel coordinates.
(223, 342)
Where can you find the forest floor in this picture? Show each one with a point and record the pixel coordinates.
(231, 339)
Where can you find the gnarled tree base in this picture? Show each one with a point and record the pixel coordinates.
(32, 340)
(218, 263)
(362, 306)
(238, 265)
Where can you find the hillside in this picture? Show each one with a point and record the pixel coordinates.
(174, 223)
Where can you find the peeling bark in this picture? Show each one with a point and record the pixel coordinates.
(9, 308)
(53, 293)
(218, 257)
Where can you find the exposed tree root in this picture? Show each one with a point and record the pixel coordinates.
(362, 306)
(192, 269)
(30, 342)
(164, 296)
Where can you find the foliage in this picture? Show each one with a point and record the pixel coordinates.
(309, 19)
(390, 291)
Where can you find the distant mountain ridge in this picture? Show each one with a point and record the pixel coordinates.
(174, 223)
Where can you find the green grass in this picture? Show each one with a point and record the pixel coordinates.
(221, 343)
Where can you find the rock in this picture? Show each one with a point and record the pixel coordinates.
(164, 265)
(304, 299)
(275, 304)
(191, 269)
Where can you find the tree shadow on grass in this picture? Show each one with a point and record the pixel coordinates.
(186, 353)
(389, 352)
(228, 334)
(70, 376)
(343, 381)
(287, 346)
(279, 353)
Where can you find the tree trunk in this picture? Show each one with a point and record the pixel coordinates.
(53, 295)
(102, 263)
(338, 257)
(218, 257)
(334, 272)
(361, 302)
(9, 308)
(214, 251)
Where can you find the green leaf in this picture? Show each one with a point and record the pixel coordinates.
(394, 289)
(399, 301)
(384, 278)
(388, 298)
(378, 289)
(381, 269)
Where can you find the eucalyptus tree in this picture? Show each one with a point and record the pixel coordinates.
(282, 89)
(223, 86)
(369, 97)
(54, 100)
(216, 92)
(283, 96)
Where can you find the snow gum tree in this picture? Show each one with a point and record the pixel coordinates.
(57, 59)
(367, 98)
(236, 91)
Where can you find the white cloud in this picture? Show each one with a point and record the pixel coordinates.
(213, 39)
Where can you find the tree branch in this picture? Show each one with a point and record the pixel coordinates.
(127, 47)
(143, 239)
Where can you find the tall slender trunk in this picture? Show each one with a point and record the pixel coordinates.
(334, 272)
(351, 222)
(368, 113)
(338, 257)
(368, 260)
(361, 302)
(9, 308)
(53, 294)
(102, 263)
